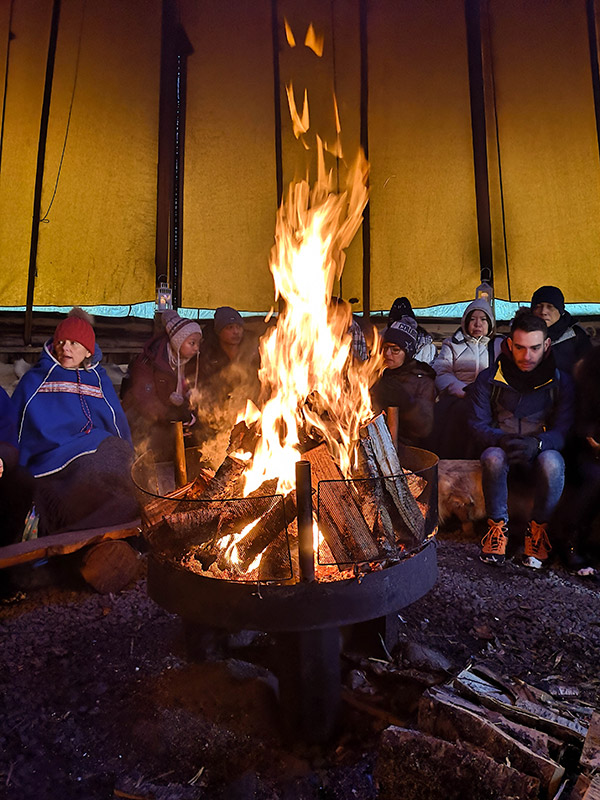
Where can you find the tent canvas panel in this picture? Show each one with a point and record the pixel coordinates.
(423, 216)
(548, 147)
(230, 194)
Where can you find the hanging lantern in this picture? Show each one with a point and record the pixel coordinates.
(164, 296)
(485, 288)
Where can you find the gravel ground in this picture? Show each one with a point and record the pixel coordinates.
(98, 700)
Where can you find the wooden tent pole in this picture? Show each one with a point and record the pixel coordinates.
(364, 143)
(39, 174)
(175, 48)
(478, 126)
(590, 6)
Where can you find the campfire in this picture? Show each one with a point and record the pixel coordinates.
(312, 521)
(309, 470)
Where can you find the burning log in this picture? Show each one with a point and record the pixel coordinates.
(268, 528)
(377, 507)
(155, 509)
(275, 564)
(381, 461)
(340, 518)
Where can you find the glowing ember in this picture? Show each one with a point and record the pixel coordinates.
(315, 387)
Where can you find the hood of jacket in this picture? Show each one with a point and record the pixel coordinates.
(481, 304)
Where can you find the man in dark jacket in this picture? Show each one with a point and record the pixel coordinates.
(522, 410)
(569, 341)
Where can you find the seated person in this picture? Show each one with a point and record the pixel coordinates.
(16, 485)
(569, 341)
(340, 316)
(579, 506)
(426, 350)
(160, 381)
(229, 363)
(471, 349)
(224, 342)
(406, 384)
(73, 435)
(522, 410)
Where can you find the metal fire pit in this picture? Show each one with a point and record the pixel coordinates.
(304, 617)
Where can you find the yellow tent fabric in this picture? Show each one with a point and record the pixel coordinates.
(230, 193)
(97, 243)
(423, 218)
(336, 72)
(548, 149)
(23, 102)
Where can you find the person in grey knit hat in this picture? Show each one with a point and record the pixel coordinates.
(159, 383)
(406, 384)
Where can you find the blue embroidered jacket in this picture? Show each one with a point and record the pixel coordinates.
(63, 414)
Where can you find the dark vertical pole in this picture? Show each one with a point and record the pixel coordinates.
(593, 40)
(39, 174)
(478, 127)
(167, 115)
(306, 557)
(277, 102)
(364, 142)
(175, 48)
(9, 38)
(277, 114)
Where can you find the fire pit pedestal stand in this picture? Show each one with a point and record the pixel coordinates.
(305, 618)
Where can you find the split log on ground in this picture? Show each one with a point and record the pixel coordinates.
(382, 461)
(110, 566)
(590, 755)
(582, 784)
(445, 716)
(593, 790)
(413, 764)
(62, 543)
(512, 701)
(340, 518)
(280, 513)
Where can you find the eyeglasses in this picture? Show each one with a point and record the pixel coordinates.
(393, 349)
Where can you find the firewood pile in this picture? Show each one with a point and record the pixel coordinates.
(375, 518)
(485, 736)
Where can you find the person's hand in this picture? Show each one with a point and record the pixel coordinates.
(1, 467)
(522, 449)
(594, 445)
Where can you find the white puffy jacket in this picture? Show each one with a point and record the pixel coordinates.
(462, 357)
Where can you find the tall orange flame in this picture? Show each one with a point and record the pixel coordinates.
(314, 385)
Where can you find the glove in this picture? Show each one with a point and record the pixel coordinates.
(505, 441)
(522, 449)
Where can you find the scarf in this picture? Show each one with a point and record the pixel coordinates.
(525, 382)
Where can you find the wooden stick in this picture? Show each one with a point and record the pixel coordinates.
(180, 465)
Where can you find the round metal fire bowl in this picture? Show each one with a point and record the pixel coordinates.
(296, 607)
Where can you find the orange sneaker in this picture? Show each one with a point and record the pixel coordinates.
(537, 545)
(493, 544)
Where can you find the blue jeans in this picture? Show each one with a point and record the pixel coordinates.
(549, 475)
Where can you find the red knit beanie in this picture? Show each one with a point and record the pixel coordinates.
(76, 329)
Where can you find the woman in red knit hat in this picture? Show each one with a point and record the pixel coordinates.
(73, 434)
